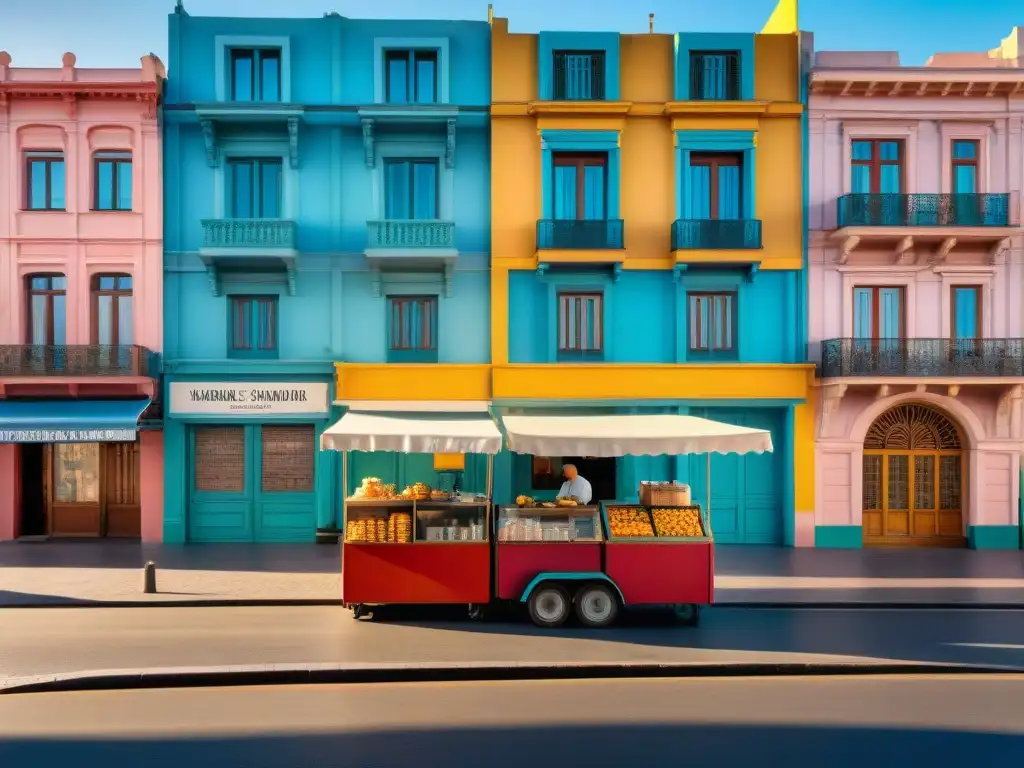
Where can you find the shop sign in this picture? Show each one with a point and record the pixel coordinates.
(68, 435)
(248, 398)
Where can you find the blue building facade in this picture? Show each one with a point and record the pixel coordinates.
(326, 205)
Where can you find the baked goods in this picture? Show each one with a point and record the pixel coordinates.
(566, 501)
(396, 528)
(374, 489)
(525, 501)
(417, 491)
(629, 523)
(678, 522)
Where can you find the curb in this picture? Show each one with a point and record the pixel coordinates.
(310, 674)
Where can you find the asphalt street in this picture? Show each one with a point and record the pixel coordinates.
(44, 641)
(838, 722)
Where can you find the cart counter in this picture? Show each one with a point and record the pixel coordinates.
(416, 552)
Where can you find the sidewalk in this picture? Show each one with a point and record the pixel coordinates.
(66, 573)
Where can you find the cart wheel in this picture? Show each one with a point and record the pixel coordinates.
(357, 610)
(596, 606)
(477, 611)
(687, 614)
(550, 606)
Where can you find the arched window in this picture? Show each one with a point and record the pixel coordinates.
(112, 310)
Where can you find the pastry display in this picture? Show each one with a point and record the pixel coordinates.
(525, 501)
(629, 523)
(417, 491)
(374, 489)
(567, 501)
(685, 522)
(396, 528)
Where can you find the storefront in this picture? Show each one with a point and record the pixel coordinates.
(73, 468)
(243, 463)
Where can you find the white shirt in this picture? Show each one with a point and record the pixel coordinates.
(578, 487)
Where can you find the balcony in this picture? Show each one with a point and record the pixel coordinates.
(579, 234)
(76, 360)
(411, 244)
(249, 244)
(716, 234)
(922, 358)
(931, 224)
(894, 210)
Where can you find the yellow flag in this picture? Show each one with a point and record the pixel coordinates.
(785, 19)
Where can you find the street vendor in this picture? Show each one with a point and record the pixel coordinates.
(575, 485)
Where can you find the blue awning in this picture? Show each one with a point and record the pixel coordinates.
(70, 421)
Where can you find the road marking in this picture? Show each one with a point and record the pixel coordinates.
(1001, 646)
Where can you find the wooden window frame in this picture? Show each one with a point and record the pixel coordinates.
(733, 83)
(48, 157)
(414, 161)
(578, 348)
(49, 293)
(598, 63)
(116, 160)
(875, 164)
(116, 295)
(423, 350)
(257, 55)
(978, 310)
(876, 308)
(580, 161)
(411, 56)
(714, 161)
(694, 333)
(253, 350)
(959, 162)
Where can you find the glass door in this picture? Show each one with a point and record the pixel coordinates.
(76, 503)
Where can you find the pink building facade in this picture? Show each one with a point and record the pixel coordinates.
(915, 314)
(81, 301)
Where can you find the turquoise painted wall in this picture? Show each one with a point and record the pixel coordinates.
(645, 315)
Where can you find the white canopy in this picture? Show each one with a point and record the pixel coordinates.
(641, 435)
(413, 433)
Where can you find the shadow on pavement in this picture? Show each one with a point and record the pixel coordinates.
(11, 599)
(540, 747)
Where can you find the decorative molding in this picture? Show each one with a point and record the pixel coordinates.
(952, 390)
(375, 283)
(291, 266)
(449, 278)
(210, 139)
(293, 141)
(367, 124)
(677, 272)
(943, 250)
(904, 250)
(542, 269)
(847, 247)
(213, 279)
(1009, 403)
(449, 147)
(616, 272)
(998, 250)
(833, 397)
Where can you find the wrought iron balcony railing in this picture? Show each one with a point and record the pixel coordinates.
(580, 234)
(248, 233)
(77, 360)
(412, 233)
(953, 210)
(922, 357)
(716, 234)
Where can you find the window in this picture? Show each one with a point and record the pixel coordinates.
(47, 305)
(112, 181)
(578, 75)
(253, 326)
(412, 329)
(255, 74)
(714, 75)
(410, 77)
(288, 458)
(878, 313)
(581, 186)
(410, 189)
(965, 166)
(876, 167)
(45, 183)
(546, 473)
(580, 323)
(218, 463)
(112, 310)
(716, 186)
(255, 188)
(965, 303)
(76, 473)
(712, 322)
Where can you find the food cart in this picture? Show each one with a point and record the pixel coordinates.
(658, 552)
(416, 546)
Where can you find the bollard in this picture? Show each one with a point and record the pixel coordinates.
(149, 578)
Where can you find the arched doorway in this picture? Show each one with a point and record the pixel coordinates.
(913, 479)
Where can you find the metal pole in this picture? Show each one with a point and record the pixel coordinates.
(490, 475)
(344, 490)
(707, 485)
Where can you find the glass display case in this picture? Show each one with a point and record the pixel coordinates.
(533, 524)
(391, 521)
(631, 521)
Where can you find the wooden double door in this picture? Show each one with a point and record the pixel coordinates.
(913, 480)
(92, 490)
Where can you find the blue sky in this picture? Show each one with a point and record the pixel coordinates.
(112, 33)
